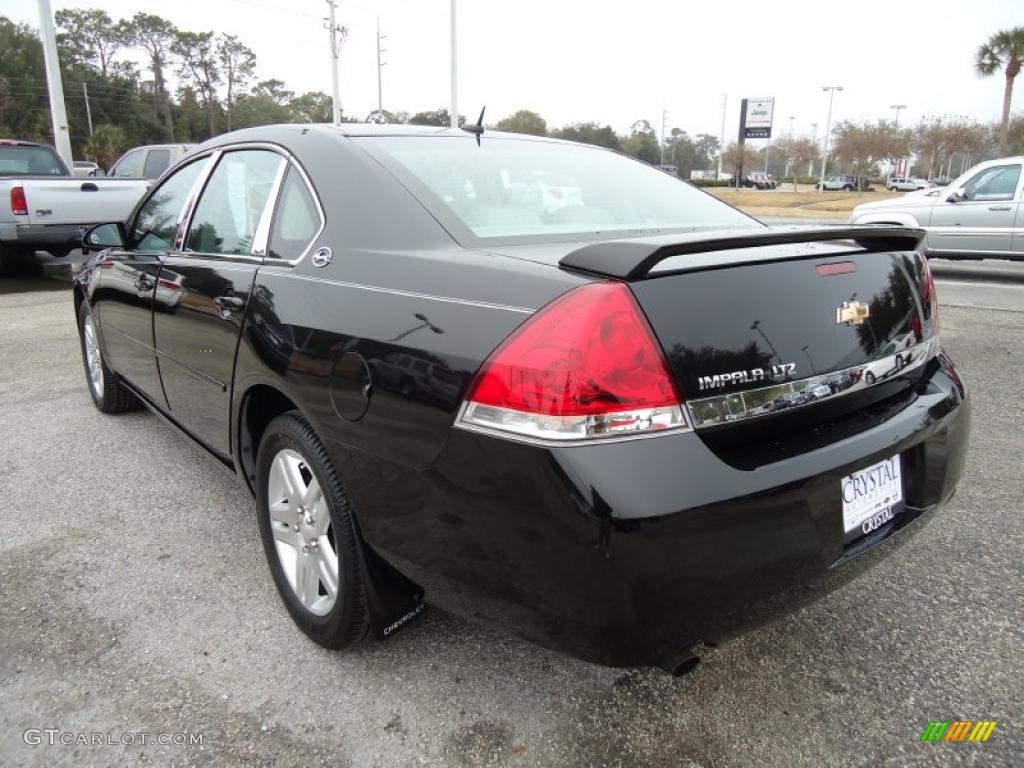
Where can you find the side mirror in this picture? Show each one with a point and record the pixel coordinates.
(957, 195)
(105, 236)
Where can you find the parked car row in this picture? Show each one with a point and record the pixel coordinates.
(759, 180)
(48, 205)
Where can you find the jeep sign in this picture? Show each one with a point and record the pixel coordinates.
(757, 122)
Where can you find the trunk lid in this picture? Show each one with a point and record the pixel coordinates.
(798, 335)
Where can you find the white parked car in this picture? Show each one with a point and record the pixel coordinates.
(905, 184)
(980, 214)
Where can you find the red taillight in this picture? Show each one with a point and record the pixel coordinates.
(19, 205)
(929, 294)
(587, 365)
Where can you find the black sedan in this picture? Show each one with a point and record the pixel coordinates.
(525, 380)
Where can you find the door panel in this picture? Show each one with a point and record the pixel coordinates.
(128, 279)
(984, 221)
(196, 332)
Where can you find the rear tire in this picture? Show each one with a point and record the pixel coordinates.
(309, 534)
(109, 393)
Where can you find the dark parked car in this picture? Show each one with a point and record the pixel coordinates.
(581, 468)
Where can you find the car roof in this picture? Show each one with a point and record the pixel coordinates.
(280, 132)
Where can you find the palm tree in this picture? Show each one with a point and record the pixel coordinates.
(1004, 50)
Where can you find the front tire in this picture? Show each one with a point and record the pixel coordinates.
(309, 534)
(109, 394)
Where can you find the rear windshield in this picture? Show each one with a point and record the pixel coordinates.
(30, 161)
(512, 188)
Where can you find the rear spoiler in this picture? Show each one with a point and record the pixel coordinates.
(632, 259)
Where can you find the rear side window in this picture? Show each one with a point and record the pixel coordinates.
(297, 219)
(130, 166)
(233, 202)
(29, 161)
(156, 163)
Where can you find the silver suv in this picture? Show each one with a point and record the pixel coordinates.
(979, 214)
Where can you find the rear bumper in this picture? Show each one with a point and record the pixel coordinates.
(629, 553)
(43, 236)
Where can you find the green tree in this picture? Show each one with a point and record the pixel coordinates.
(155, 35)
(199, 68)
(266, 104)
(642, 143)
(435, 117)
(91, 35)
(237, 64)
(311, 107)
(1003, 51)
(524, 121)
(590, 133)
(24, 106)
(107, 143)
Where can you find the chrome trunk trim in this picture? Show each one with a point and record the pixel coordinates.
(788, 395)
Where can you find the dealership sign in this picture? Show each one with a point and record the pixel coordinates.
(757, 118)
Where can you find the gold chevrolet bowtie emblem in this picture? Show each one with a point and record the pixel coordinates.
(852, 313)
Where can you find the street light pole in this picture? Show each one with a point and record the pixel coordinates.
(897, 107)
(58, 114)
(455, 74)
(828, 128)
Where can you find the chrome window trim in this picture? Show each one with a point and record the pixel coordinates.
(716, 410)
(319, 210)
(255, 255)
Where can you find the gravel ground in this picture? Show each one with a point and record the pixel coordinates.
(135, 599)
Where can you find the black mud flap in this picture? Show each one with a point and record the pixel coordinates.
(392, 600)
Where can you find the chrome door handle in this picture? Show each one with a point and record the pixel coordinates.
(230, 303)
(999, 207)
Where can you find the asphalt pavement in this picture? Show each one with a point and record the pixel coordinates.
(134, 599)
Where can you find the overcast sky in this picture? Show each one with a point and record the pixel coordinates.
(614, 63)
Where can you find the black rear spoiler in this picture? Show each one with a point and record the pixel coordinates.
(632, 259)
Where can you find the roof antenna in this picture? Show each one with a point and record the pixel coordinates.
(478, 128)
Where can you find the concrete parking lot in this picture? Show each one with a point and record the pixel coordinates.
(135, 599)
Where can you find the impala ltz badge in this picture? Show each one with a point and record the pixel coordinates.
(852, 313)
(779, 372)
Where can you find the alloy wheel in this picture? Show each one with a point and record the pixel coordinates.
(93, 358)
(303, 534)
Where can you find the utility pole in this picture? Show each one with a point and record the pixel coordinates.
(88, 111)
(454, 116)
(721, 140)
(814, 138)
(828, 128)
(58, 113)
(338, 34)
(380, 38)
(664, 117)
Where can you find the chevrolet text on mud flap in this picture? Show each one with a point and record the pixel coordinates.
(779, 372)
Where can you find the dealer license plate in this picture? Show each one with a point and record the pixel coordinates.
(870, 495)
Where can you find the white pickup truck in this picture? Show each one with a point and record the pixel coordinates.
(43, 207)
